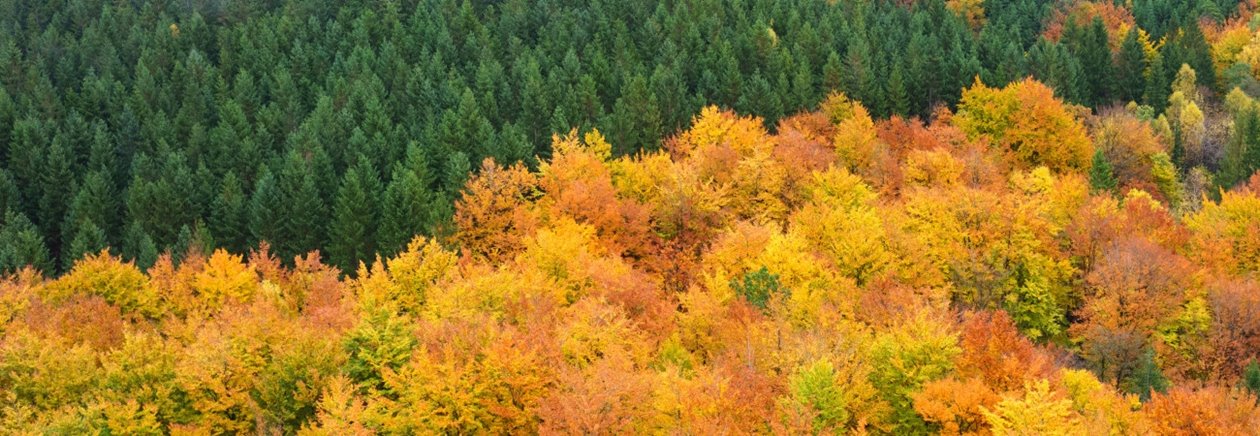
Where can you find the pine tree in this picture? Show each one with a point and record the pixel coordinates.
(352, 233)
(405, 212)
(86, 238)
(138, 247)
(1158, 84)
(1251, 378)
(636, 119)
(1147, 378)
(229, 215)
(1131, 68)
(264, 209)
(1101, 178)
(22, 244)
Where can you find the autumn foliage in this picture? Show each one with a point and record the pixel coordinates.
(842, 274)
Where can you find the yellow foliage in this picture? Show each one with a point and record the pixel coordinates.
(561, 254)
(1224, 233)
(1038, 411)
(225, 278)
(594, 329)
(120, 283)
(929, 168)
(715, 128)
(404, 281)
(1103, 410)
(855, 141)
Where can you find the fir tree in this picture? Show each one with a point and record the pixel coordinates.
(229, 215)
(1147, 378)
(1101, 178)
(1130, 68)
(352, 233)
(1251, 378)
(22, 244)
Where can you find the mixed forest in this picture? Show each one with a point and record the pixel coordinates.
(627, 216)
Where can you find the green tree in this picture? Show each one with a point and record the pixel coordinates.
(1147, 378)
(1242, 152)
(1101, 178)
(352, 233)
(1131, 68)
(636, 119)
(1251, 378)
(229, 212)
(22, 244)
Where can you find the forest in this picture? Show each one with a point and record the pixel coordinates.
(630, 217)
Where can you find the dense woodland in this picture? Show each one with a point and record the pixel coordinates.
(612, 217)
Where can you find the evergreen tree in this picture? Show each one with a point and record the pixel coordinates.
(1101, 178)
(1251, 378)
(1158, 83)
(229, 215)
(406, 211)
(1131, 68)
(138, 247)
(10, 197)
(1147, 378)
(54, 198)
(898, 96)
(86, 238)
(352, 233)
(265, 209)
(22, 244)
(302, 211)
(636, 119)
(1242, 152)
(1090, 45)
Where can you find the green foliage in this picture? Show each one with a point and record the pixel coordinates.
(381, 341)
(816, 386)
(21, 244)
(759, 288)
(1147, 378)
(1101, 178)
(355, 217)
(1251, 378)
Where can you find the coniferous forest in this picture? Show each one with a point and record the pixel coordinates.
(630, 217)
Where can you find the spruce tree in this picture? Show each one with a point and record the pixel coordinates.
(1130, 68)
(1090, 44)
(1242, 152)
(229, 215)
(86, 238)
(636, 119)
(302, 211)
(352, 233)
(265, 210)
(1101, 177)
(1158, 84)
(138, 246)
(1147, 378)
(22, 244)
(54, 198)
(1251, 378)
(405, 212)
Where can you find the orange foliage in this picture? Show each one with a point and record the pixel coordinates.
(1117, 18)
(491, 218)
(844, 275)
(1211, 410)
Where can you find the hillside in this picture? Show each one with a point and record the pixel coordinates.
(697, 217)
